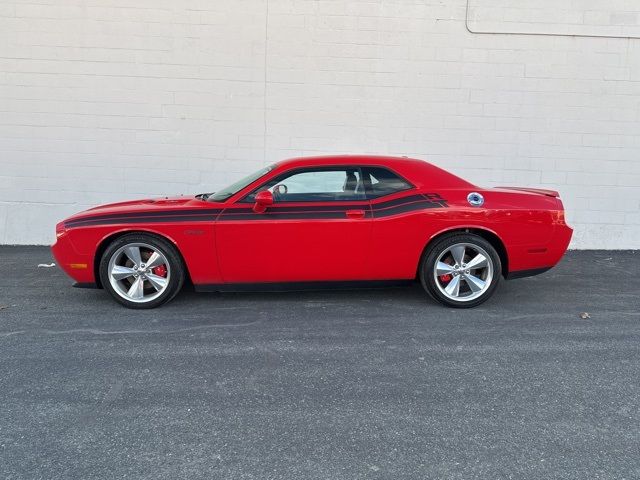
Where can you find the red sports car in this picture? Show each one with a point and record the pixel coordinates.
(307, 222)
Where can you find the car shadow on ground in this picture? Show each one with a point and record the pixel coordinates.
(580, 283)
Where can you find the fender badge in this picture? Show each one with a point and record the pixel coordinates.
(475, 199)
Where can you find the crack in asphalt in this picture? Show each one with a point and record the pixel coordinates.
(8, 334)
(96, 331)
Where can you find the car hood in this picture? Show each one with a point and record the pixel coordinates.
(150, 205)
(144, 203)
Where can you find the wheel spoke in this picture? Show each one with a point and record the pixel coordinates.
(479, 261)
(155, 260)
(120, 273)
(444, 268)
(458, 254)
(453, 288)
(133, 253)
(475, 284)
(156, 281)
(137, 289)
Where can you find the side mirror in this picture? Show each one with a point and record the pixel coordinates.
(264, 199)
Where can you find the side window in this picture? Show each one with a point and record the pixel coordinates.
(380, 182)
(317, 185)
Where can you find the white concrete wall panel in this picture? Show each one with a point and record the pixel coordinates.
(105, 100)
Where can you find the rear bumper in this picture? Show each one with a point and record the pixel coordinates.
(527, 261)
(527, 273)
(559, 243)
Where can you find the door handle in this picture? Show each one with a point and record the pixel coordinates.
(355, 213)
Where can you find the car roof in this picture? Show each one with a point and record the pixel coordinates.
(415, 170)
(346, 160)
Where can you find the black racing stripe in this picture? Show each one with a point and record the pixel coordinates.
(310, 208)
(409, 207)
(161, 213)
(276, 209)
(378, 210)
(142, 217)
(272, 215)
(344, 207)
(238, 211)
(295, 208)
(400, 205)
(419, 203)
(155, 219)
(397, 201)
(327, 208)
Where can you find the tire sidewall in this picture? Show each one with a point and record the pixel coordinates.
(176, 279)
(428, 262)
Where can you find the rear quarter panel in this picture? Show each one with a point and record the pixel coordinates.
(526, 224)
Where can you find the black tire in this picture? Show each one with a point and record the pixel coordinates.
(434, 284)
(174, 263)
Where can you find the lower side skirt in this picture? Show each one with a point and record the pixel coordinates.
(299, 286)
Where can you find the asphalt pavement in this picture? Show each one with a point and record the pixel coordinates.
(369, 384)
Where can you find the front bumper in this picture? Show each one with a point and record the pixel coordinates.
(76, 265)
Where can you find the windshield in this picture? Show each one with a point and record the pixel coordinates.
(232, 189)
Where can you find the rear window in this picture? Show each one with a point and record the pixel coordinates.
(380, 182)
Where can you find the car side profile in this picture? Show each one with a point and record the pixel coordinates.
(316, 221)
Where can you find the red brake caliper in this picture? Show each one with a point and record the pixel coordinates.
(160, 271)
(445, 278)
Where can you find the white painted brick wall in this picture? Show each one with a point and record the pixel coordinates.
(581, 17)
(104, 100)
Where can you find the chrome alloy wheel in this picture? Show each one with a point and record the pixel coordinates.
(139, 272)
(463, 272)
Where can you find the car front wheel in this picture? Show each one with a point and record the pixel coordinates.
(461, 270)
(141, 271)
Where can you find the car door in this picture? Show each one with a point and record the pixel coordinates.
(318, 229)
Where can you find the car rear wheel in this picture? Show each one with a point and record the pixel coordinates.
(141, 271)
(461, 270)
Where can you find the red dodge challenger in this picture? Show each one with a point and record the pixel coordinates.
(308, 222)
